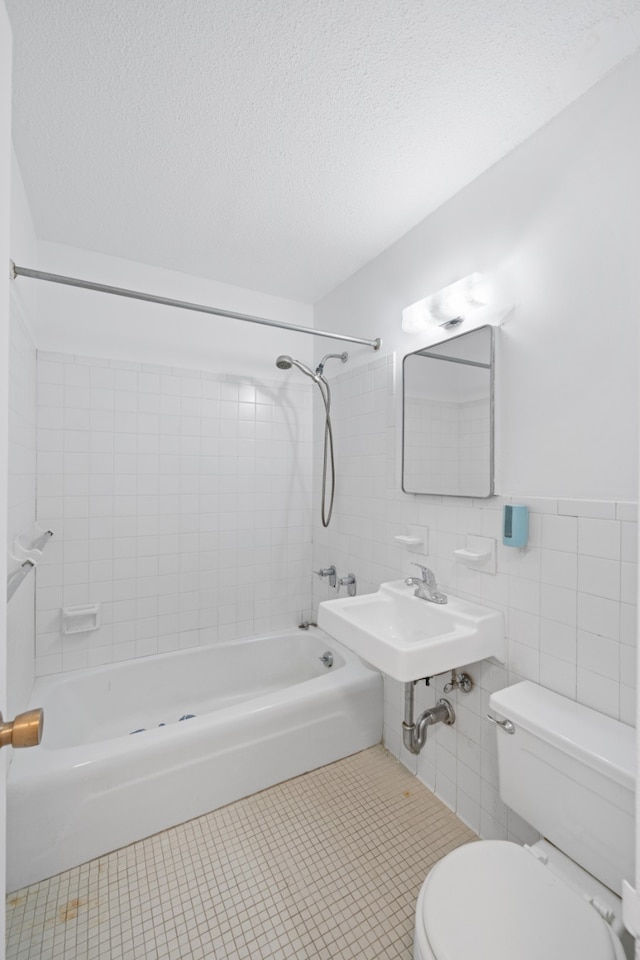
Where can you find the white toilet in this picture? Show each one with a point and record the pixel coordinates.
(570, 773)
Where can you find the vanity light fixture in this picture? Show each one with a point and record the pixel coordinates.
(448, 307)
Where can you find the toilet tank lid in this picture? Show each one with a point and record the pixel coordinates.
(602, 743)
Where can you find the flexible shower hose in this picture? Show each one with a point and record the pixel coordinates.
(328, 453)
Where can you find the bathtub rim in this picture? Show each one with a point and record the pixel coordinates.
(31, 763)
(66, 676)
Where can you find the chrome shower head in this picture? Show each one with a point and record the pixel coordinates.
(285, 363)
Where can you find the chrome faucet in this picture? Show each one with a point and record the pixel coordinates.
(427, 588)
(329, 572)
(349, 582)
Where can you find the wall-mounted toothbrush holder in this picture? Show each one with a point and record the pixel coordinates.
(21, 553)
(24, 558)
(479, 553)
(39, 539)
(42, 537)
(17, 576)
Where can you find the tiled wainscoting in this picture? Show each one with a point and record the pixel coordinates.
(180, 502)
(569, 598)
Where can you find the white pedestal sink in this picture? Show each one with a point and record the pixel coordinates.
(408, 638)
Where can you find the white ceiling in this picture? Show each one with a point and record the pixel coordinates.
(281, 144)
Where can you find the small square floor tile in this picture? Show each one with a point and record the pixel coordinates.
(323, 867)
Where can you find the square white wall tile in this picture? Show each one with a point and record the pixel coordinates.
(157, 488)
(559, 533)
(599, 538)
(599, 577)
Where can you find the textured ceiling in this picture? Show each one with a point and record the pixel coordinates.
(281, 144)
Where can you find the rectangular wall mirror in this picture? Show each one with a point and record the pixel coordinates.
(448, 422)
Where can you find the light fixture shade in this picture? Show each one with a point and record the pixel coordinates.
(416, 317)
(449, 306)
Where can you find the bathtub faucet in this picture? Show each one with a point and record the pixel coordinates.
(349, 582)
(329, 572)
(426, 588)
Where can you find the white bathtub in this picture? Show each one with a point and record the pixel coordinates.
(266, 709)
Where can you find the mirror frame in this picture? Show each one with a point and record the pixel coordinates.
(491, 366)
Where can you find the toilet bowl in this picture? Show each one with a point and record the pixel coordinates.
(495, 900)
(570, 773)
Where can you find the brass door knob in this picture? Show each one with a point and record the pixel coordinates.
(24, 731)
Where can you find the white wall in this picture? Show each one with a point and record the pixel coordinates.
(557, 224)
(22, 449)
(5, 207)
(87, 323)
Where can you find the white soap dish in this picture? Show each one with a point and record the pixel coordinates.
(415, 539)
(470, 556)
(478, 554)
(408, 541)
(81, 619)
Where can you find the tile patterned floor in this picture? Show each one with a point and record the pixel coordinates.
(326, 866)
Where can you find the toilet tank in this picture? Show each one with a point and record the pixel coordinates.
(569, 771)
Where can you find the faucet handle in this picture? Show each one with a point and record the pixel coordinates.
(329, 572)
(349, 582)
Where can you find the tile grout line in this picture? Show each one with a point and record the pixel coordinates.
(318, 867)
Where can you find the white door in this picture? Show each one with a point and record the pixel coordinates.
(5, 181)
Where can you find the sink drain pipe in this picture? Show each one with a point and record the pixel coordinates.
(414, 733)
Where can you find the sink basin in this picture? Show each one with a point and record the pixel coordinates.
(408, 638)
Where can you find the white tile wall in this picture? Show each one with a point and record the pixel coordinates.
(21, 506)
(181, 504)
(22, 428)
(569, 598)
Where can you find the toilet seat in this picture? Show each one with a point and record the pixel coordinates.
(493, 900)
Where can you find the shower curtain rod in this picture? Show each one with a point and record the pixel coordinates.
(17, 271)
